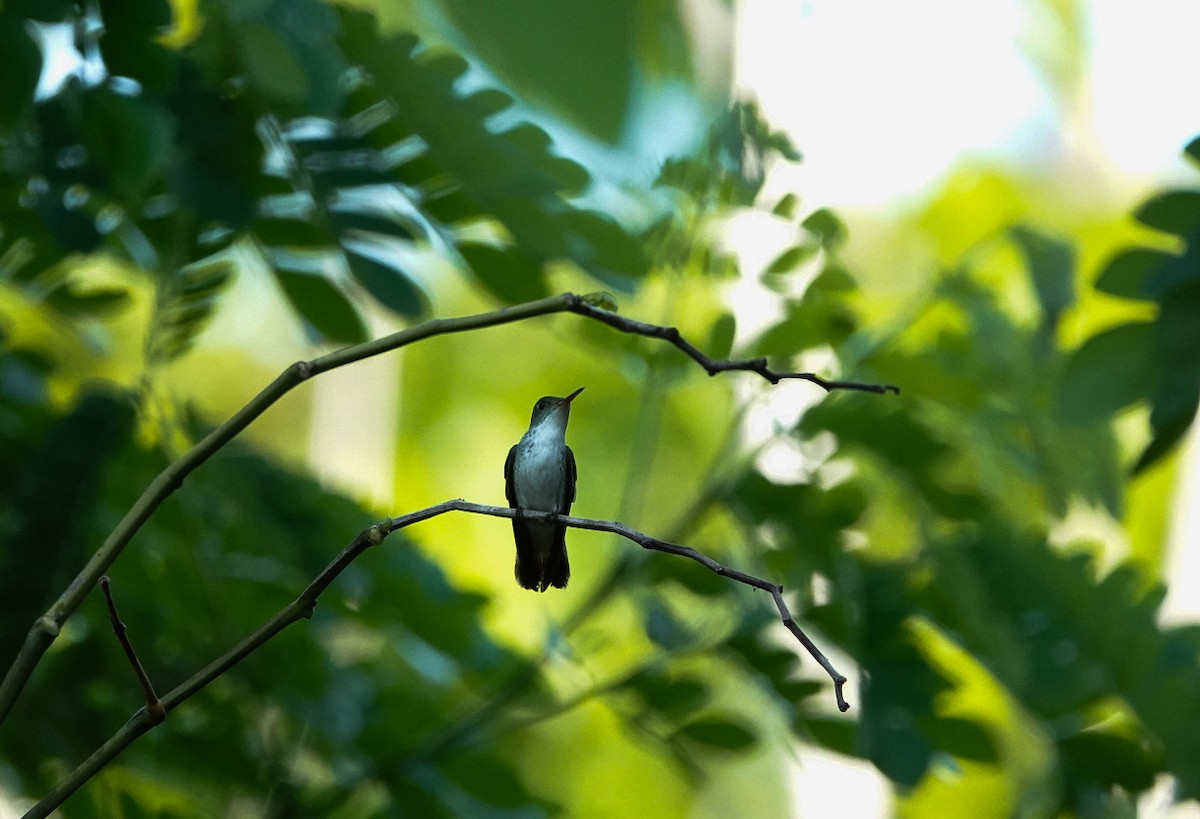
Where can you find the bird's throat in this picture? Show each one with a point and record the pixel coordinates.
(539, 470)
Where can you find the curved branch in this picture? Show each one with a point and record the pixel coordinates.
(302, 607)
(45, 629)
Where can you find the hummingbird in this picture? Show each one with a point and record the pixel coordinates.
(539, 475)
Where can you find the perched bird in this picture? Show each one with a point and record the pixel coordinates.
(539, 475)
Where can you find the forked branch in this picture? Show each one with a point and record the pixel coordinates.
(45, 629)
(302, 607)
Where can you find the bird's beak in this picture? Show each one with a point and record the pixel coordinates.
(567, 401)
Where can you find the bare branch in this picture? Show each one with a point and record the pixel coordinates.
(46, 628)
(154, 708)
(714, 365)
(302, 607)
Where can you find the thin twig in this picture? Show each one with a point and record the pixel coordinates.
(154, 708)
(302, 607)
(46, 628)
(716, 365)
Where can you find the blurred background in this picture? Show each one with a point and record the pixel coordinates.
(992, 205)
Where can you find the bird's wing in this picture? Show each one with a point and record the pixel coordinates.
(510, 486)
(569, 489)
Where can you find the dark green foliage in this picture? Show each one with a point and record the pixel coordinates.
(255, 535)
(505, 272)
(980, 469)
(22, 66)
(1108, 373)
(1161, 364)
(463, 170)
(718, 733)
(576, 61)
(1063, 639)
(323, 306)
(55, 467)
(299, 133)
(818, 317)
(730, 168)
(1059, 638)
(130, 46)
(187, 300)
(271, 128)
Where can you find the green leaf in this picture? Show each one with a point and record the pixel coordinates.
(489, 101)
(720, 336)
(794, 691)
(691, 576)
(826, 227)
(833, 279)
(1051, 265)
(571, 177)
(186, 301)
(445, 66)
(961, 738)
(22, 68)
(323, 306)
(1177, 393)
(719, 733)
(488, 779)
(610, 249)
(98, 302)
(381, 224)
(290, 233)
(1176, 212)
(791, 258)
(44, 11)
(131, 138)
(389, 285)
(510, 276)
(1192, 151)
(1109, 758)
(786, 206)
(1178, 333)
(528, 138)
(665, 629)
(455, 206)
(270, 65)
(1109, 372)
(816, 319)
(671, 697)
(573, 58)
(130, 46)
(1127, 273)
(219, 157)
(836, 734)
(1168, 422)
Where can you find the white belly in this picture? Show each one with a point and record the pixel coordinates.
(540, 478)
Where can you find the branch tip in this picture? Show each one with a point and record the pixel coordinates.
(154, 707)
